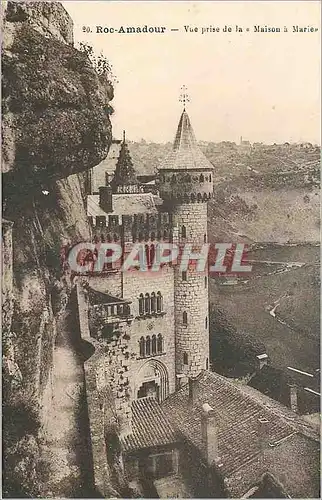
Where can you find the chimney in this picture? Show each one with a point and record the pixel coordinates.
(181, 380)
(263, 436)
(209, 434)
(193, 381)
(262, 360)
(293, 397)
(105, 198)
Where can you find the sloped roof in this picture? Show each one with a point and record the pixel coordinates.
(96, 297)
(238, 410)
(125, 174)
(186, 153)
(123, 204)
(150, 426)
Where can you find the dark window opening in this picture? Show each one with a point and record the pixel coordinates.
(185, 318)
(147, 303)
(159, 302)
(184, 275)
(185, 358)
(183, 232)
(148, 346)
(160, 343)
(142, 347)
(154, 344)
(141, 305)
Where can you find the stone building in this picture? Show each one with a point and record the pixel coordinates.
(179, 430)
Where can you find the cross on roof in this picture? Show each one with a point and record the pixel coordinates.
(184, 97)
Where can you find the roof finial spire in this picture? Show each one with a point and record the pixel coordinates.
(184, 97)
(124, 136)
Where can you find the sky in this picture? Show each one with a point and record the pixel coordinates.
(264, 87)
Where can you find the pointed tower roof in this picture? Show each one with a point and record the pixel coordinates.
(124, 174)
(186, 154)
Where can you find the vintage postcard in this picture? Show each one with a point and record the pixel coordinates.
(161, 249)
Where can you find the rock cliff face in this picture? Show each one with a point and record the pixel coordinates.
(55, 125)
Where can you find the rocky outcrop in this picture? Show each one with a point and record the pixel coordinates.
(55, 106)
(55, 125)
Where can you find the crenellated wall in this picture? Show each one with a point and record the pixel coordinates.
(186, 186)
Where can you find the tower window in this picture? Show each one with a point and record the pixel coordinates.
(209, 178)
(206, 322)
(185, 317)
(185, 358)
(173, 179)
(205, 238)
(183, 232)
(184, 275)
(206, 281)
(201, 178)
(154, 344)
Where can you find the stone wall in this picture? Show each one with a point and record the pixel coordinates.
(135, 283)
(191, 295)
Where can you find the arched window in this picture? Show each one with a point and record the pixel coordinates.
(153, 302)
(183, 232)
(199, 197)
(209, 178)
(160, 343)
(206, 281)
(147, 255)
(141, 304)
(152, 236)
(154, 344)
(185, 318)
(206, 322)
(207, 364)
(173, 179)
(188, 178)
(184, 275)
(148, 346)
(205, 238)
(185, 358)
(201, 178)
(152, 254)
(147, 304)
(142, 347)
(159, 302)
(193, 197)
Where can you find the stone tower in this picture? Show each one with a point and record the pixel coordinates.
(186, 185)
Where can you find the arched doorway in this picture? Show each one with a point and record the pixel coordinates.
(152, 380)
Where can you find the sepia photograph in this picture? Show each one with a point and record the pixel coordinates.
(161, 249)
